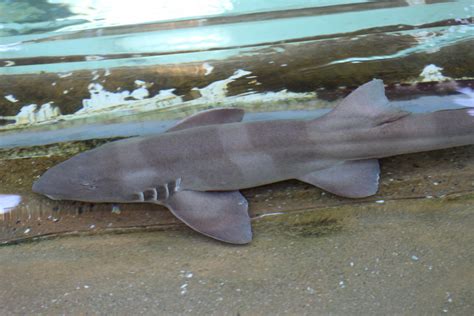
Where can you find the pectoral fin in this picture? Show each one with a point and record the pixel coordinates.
(210, 117)
(220, 215)
(354, 179)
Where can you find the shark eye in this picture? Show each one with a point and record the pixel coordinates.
(88, 185)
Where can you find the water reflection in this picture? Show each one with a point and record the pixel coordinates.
(107, 13)
(8, 202)
(467, 102)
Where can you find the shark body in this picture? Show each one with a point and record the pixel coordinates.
(197, 167)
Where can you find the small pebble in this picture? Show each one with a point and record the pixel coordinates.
(116, 209)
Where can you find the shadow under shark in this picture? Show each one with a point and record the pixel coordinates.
(197, 167)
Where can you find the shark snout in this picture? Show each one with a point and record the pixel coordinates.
(50, 185)
(37, 186)
(40, 187)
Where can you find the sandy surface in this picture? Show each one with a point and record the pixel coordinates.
(408, 257)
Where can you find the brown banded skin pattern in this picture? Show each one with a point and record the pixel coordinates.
(198, 167)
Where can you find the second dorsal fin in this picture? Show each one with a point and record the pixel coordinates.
(209, 117)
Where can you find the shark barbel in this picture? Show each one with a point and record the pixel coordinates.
(197, 167)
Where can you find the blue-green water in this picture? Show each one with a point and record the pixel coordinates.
(67, 28)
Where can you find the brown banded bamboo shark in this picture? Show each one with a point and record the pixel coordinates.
(197, 168)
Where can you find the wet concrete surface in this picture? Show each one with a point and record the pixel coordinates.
(400, 257)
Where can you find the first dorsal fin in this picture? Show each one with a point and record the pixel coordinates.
(368, 103)
(210, 117)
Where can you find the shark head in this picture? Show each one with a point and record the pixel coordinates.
(79, 179)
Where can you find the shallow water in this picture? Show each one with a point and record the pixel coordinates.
(75, 75)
